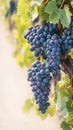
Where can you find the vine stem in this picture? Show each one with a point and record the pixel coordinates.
(62, 4)
(44, 2)
(70, 6)
(60, 28)
(71, 127)
(68, 3)
(67, 67)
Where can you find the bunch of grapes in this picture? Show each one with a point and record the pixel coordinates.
(38, 35)
(67, 38)
(12, 8)
(52, 49)
(46, 42)
(39, 76)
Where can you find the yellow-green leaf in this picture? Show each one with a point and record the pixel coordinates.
(52, 110)
(27, 106)
(71, 53)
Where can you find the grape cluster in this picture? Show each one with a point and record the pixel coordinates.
(39, 76)
(12, 8)
(46, 42)
(67, 38)
(38, 35)
(52, 48)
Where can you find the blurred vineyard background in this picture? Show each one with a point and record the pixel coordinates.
(16, 26)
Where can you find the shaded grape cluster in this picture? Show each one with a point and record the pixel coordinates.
(12, 8)
(67, 38)
(39, 76)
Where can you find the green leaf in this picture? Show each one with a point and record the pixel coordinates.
(69, 106)
(63, 114)
(51, 7)
(58, 1)
(54, 17)
(70, 118)
(43, 14)
(69, 92)
(64, 92)
(61, 96)
(58, 97)
(63, 103)
(36, 2)
(68, 13)
(52, 110)
(63, 18)
(66, 80)
(27, 106)
(24, 10)
(54, 97)
(65, 126)
(71, 53)
(63, 108)
(61, 84)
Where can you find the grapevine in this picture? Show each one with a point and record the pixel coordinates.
(51, 40)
